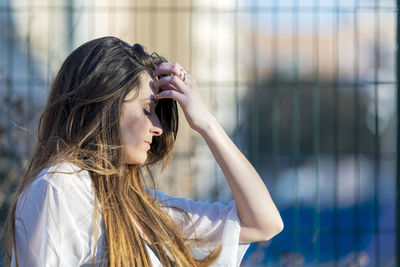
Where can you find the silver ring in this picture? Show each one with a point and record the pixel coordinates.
(181, 73)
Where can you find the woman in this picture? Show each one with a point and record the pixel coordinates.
(112, 112)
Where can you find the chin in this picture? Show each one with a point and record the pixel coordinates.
(136, 160)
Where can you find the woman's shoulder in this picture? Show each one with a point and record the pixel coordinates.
(55, 212)
(62, 188)
(63, 180)
(63, 175)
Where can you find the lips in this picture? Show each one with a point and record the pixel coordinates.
(148, 143)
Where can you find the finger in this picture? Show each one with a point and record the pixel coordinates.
(165, 87)
(167, 68)
(171, 94)
(174, 81)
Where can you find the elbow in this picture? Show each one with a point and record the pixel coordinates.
(280, 227)
(274, 229)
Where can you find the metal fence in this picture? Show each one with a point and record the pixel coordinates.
(307, 89)
(326, 135)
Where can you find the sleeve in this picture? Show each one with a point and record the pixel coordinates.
(47, 229)
(215, 222)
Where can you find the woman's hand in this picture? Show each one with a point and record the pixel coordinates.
(180, 86)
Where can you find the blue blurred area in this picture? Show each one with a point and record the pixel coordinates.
(355, 227)
(334, 246)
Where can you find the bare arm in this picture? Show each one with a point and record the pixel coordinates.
(260, 219)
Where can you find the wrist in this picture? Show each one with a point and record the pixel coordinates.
(209, 127)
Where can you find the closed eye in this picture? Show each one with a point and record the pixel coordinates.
(147, 113)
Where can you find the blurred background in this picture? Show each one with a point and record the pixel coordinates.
(306, 89)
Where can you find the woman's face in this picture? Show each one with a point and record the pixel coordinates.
(139, 122)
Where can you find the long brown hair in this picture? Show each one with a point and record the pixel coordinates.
(80, 124)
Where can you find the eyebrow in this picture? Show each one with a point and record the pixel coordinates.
(152, 99)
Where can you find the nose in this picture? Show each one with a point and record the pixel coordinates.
(156, 127)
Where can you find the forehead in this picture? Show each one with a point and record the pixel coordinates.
(146, 90)
(146, 85)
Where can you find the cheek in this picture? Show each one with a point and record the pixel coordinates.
(132, 130)
(127, 132)
(133, 142)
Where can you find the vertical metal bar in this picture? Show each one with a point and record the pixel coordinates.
(191, 36)
(70, 25)
(112, 6)
(275, 87)
(212, 69)
(236, 63)
(89, 10)
(316, 148)
(398, 135)
(135, 21)
(275, 101)
(29, 100)
(296, 131)
(93, 11)
(153, 23)
(377, 134)
(50, 15)
(254, 107)
(9, 77)
(335, 99)
(356, 134)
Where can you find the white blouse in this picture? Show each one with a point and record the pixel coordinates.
(54, 222)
